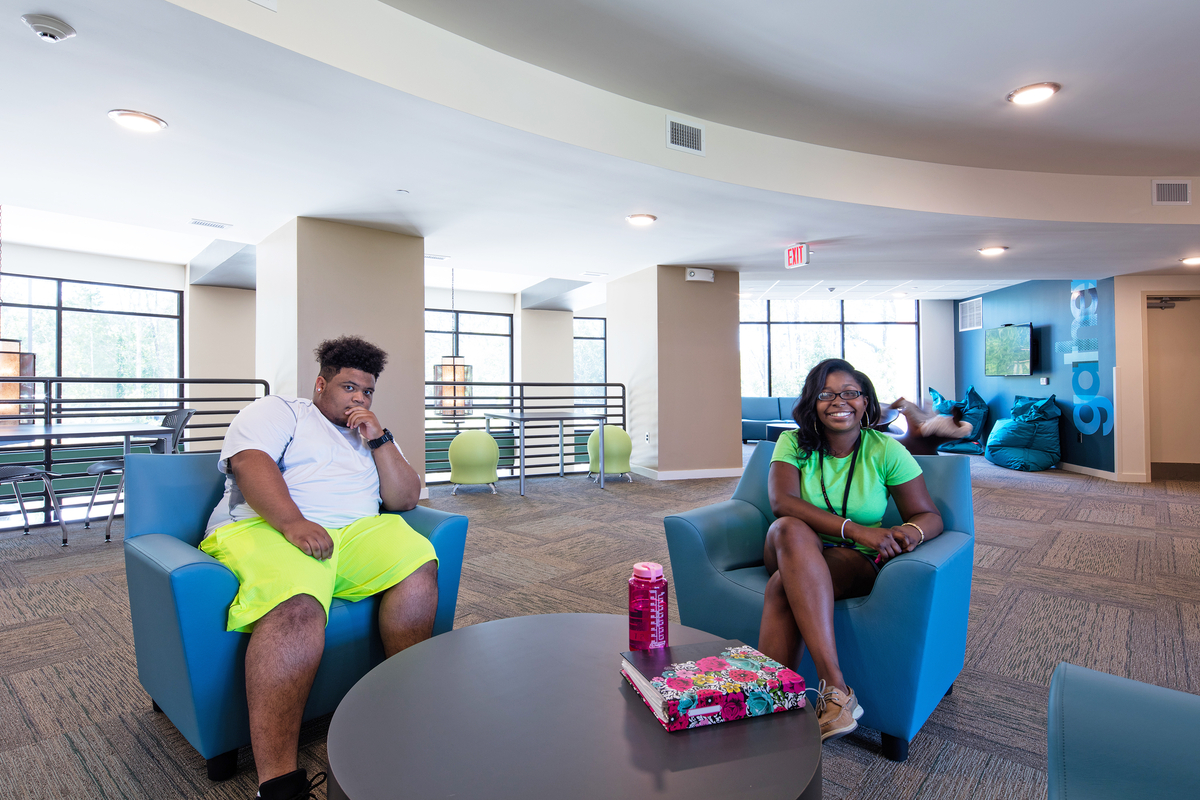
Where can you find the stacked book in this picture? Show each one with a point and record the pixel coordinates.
(702, 684)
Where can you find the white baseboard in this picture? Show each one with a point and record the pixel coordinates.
(1095, 473)
(687, 474)
(424, 493)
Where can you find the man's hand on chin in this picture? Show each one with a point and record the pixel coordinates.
(311, 538)
(366, 422)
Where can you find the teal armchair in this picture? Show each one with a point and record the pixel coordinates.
(1110, 738)
(900, 648)
(179, 597)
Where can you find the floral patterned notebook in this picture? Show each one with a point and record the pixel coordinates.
(703, 684)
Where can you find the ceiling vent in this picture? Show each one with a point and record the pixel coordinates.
(204, 223)
(1171, 192)
(970, 314)
(685, 136)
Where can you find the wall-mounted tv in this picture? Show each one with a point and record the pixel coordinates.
(1010, 350)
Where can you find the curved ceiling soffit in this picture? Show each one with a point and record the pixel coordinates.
(442, 67)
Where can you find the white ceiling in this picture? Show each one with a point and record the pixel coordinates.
(88, 235)
(924, 80)
(259, 135)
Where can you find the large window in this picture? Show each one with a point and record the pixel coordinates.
(591, 363)
(781, 340)
(95, 330)
(483, 339)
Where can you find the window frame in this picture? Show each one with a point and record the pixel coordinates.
(454, 334)
(603, 339)
(58, 308)
(842, 324)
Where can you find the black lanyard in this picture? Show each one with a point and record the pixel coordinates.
(849, 478)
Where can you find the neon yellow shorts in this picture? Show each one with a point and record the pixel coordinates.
(369, 555)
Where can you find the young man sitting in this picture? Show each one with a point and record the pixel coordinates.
(300, 524)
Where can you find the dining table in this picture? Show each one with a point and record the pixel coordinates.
(521, 417)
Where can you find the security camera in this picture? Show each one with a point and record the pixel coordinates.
(48, 29)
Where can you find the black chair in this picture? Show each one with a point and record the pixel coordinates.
(15, 474)
(177, 420)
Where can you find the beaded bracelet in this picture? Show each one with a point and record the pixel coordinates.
(918, 527)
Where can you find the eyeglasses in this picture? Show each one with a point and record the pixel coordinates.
(849, 394)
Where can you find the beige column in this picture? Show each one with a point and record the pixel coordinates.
(544, 349)
(674, 344)
(219, 338)
(318, 280)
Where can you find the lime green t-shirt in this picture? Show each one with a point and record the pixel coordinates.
(882, 462)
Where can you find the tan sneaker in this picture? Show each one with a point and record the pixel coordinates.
(837, 712)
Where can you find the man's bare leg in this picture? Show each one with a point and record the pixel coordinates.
(281, 662)
(407, 610)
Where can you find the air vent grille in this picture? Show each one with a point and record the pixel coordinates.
(204, 223)
(685, 136)
(1171, 192)
(970, 314)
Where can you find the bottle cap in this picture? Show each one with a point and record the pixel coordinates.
(647, 570)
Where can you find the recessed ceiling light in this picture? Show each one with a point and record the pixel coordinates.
(136, 120)
(1191, 262)
(641, 220)
(432, 257)
(594, 274)
(402, 191)
(1033, 93)
(992, 251)
(899, 294)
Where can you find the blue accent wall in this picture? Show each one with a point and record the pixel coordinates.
(1069, 318)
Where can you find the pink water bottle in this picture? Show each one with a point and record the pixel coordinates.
(647, 607)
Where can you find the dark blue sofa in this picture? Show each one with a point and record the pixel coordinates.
(757, 412)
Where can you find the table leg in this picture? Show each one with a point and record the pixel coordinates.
(127, 444)
(522, 452)
(601, 454)
(561, 451)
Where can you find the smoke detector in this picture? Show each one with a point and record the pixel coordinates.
(48, 29)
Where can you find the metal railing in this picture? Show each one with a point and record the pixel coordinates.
(53, 400)
(445, 418)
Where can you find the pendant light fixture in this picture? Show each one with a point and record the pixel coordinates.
(455, 400)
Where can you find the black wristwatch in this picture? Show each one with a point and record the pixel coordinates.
(375, 444)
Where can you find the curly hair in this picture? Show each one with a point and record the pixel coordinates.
(811, 432)
(349, 352)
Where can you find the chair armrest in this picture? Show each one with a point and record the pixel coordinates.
(1110, 737)
(448, 534)
(704, 544)
(179, 601)
(915, 618)
(729, 534)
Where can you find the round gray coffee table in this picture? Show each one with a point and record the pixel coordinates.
(535, 707)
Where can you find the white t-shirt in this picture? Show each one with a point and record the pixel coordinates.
(329, 471)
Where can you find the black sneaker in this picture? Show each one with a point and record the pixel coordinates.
(293, 786)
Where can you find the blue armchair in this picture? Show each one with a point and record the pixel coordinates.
(179, 597)
(901, 647)
(1110, 738)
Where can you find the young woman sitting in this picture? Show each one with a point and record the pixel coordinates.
(829, 484)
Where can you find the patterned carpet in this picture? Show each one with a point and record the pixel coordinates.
(1067, 567)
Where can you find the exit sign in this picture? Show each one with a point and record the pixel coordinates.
(796, 256)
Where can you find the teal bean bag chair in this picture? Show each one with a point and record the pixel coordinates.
(1029, 441)
(974, 412)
